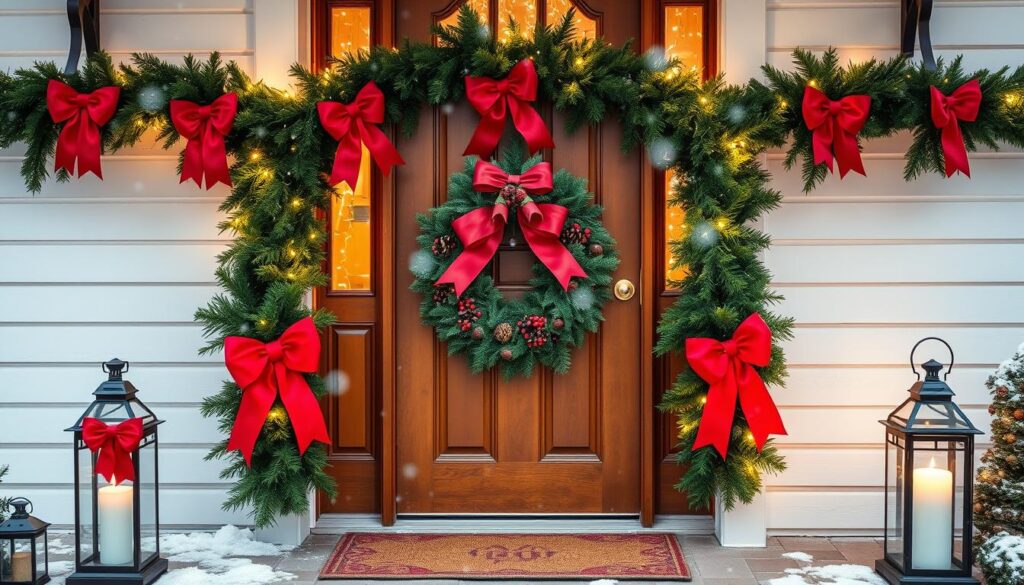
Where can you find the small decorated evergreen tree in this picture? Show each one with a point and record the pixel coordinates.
(999, 495)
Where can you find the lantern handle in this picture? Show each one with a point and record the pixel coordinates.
(21, 503)
(912, 350)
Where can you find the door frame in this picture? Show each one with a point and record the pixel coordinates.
(384, 27)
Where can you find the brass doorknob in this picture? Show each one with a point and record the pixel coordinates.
(624, 290)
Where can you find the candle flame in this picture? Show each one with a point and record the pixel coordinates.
(932, 463)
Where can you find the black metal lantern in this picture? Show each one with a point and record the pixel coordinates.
(929, 452)
(23, 556)
(117, 523)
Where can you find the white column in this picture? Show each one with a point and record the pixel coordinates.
(743, 45)
(280, 29)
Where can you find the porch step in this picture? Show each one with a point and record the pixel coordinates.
(341, 523)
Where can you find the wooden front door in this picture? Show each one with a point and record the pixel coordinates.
(550, 444)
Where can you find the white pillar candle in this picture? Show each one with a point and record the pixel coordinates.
(116, 525)
(932, 533)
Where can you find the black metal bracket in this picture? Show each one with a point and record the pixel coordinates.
(84, 17)
(914, 14)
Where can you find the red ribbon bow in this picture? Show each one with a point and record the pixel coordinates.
(83, 114)
(205, 128)
(354, 123)
(835, 125)
(728, 366)
(491, 98)
(947, 112)
(536, 181)
(113, 445)
(265, 369)
(482, 229)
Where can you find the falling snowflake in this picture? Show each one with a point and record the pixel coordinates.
(152, 98)
(421, 263)
(662, 153)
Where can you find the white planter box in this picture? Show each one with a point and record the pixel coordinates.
(745, 525)
(289, 530)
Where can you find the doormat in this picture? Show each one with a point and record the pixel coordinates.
(361, 555)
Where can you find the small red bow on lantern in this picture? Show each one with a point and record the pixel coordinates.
(354, 124)
(728, 366)
(947, 112)
(482, 229)
(491, 98)
(83, 114)
(264, 370)
(205, 128)
(113, 445)
(835, 125)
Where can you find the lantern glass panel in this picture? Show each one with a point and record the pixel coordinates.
(937, 500)
(86, 510)
(894, 497)
(6, 554)
(147, 487)
(16, 564)
(41, 554)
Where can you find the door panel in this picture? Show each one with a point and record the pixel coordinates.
(552, 443)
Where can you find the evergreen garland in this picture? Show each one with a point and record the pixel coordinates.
(714, 132)
(578, 310)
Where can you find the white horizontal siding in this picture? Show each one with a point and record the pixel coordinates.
(94, 269)
(869, 265)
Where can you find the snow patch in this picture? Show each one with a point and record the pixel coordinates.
(604, 582)
(229, 541)
(59, 570)
(830, 575)
(1005, 548)
(799, 556)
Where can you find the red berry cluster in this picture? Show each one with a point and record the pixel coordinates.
(532, 328)
(513, 195)
(468, 313)
(575, 234)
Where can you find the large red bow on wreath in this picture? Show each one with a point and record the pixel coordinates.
(728, 366)
(947, 112)
(491, 98)
(482, 229)
(264, 370)
(205, 128)
(83, 114)
(353, 124)
(835, 125)
(113, 445)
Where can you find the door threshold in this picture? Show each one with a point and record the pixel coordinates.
(469, 524)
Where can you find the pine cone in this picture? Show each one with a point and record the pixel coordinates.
(1010, 438)
(1018, 414)
(503, 332)
(443, 245)
(441, 294)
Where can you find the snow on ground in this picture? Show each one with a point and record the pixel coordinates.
(827, 575)
(604, 582)
(216, 554)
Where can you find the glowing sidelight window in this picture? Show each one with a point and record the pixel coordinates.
(351, 233)
(481, 7)
(683, 35)
(586, 27)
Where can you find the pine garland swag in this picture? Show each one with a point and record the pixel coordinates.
(711, 130)
(496, 331)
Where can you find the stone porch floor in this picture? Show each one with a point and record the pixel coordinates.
(710, 563)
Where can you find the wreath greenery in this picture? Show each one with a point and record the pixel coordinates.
(484, 325)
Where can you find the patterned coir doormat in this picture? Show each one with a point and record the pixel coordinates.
(501, 556)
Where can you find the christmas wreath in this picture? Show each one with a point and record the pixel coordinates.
(511, 204)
